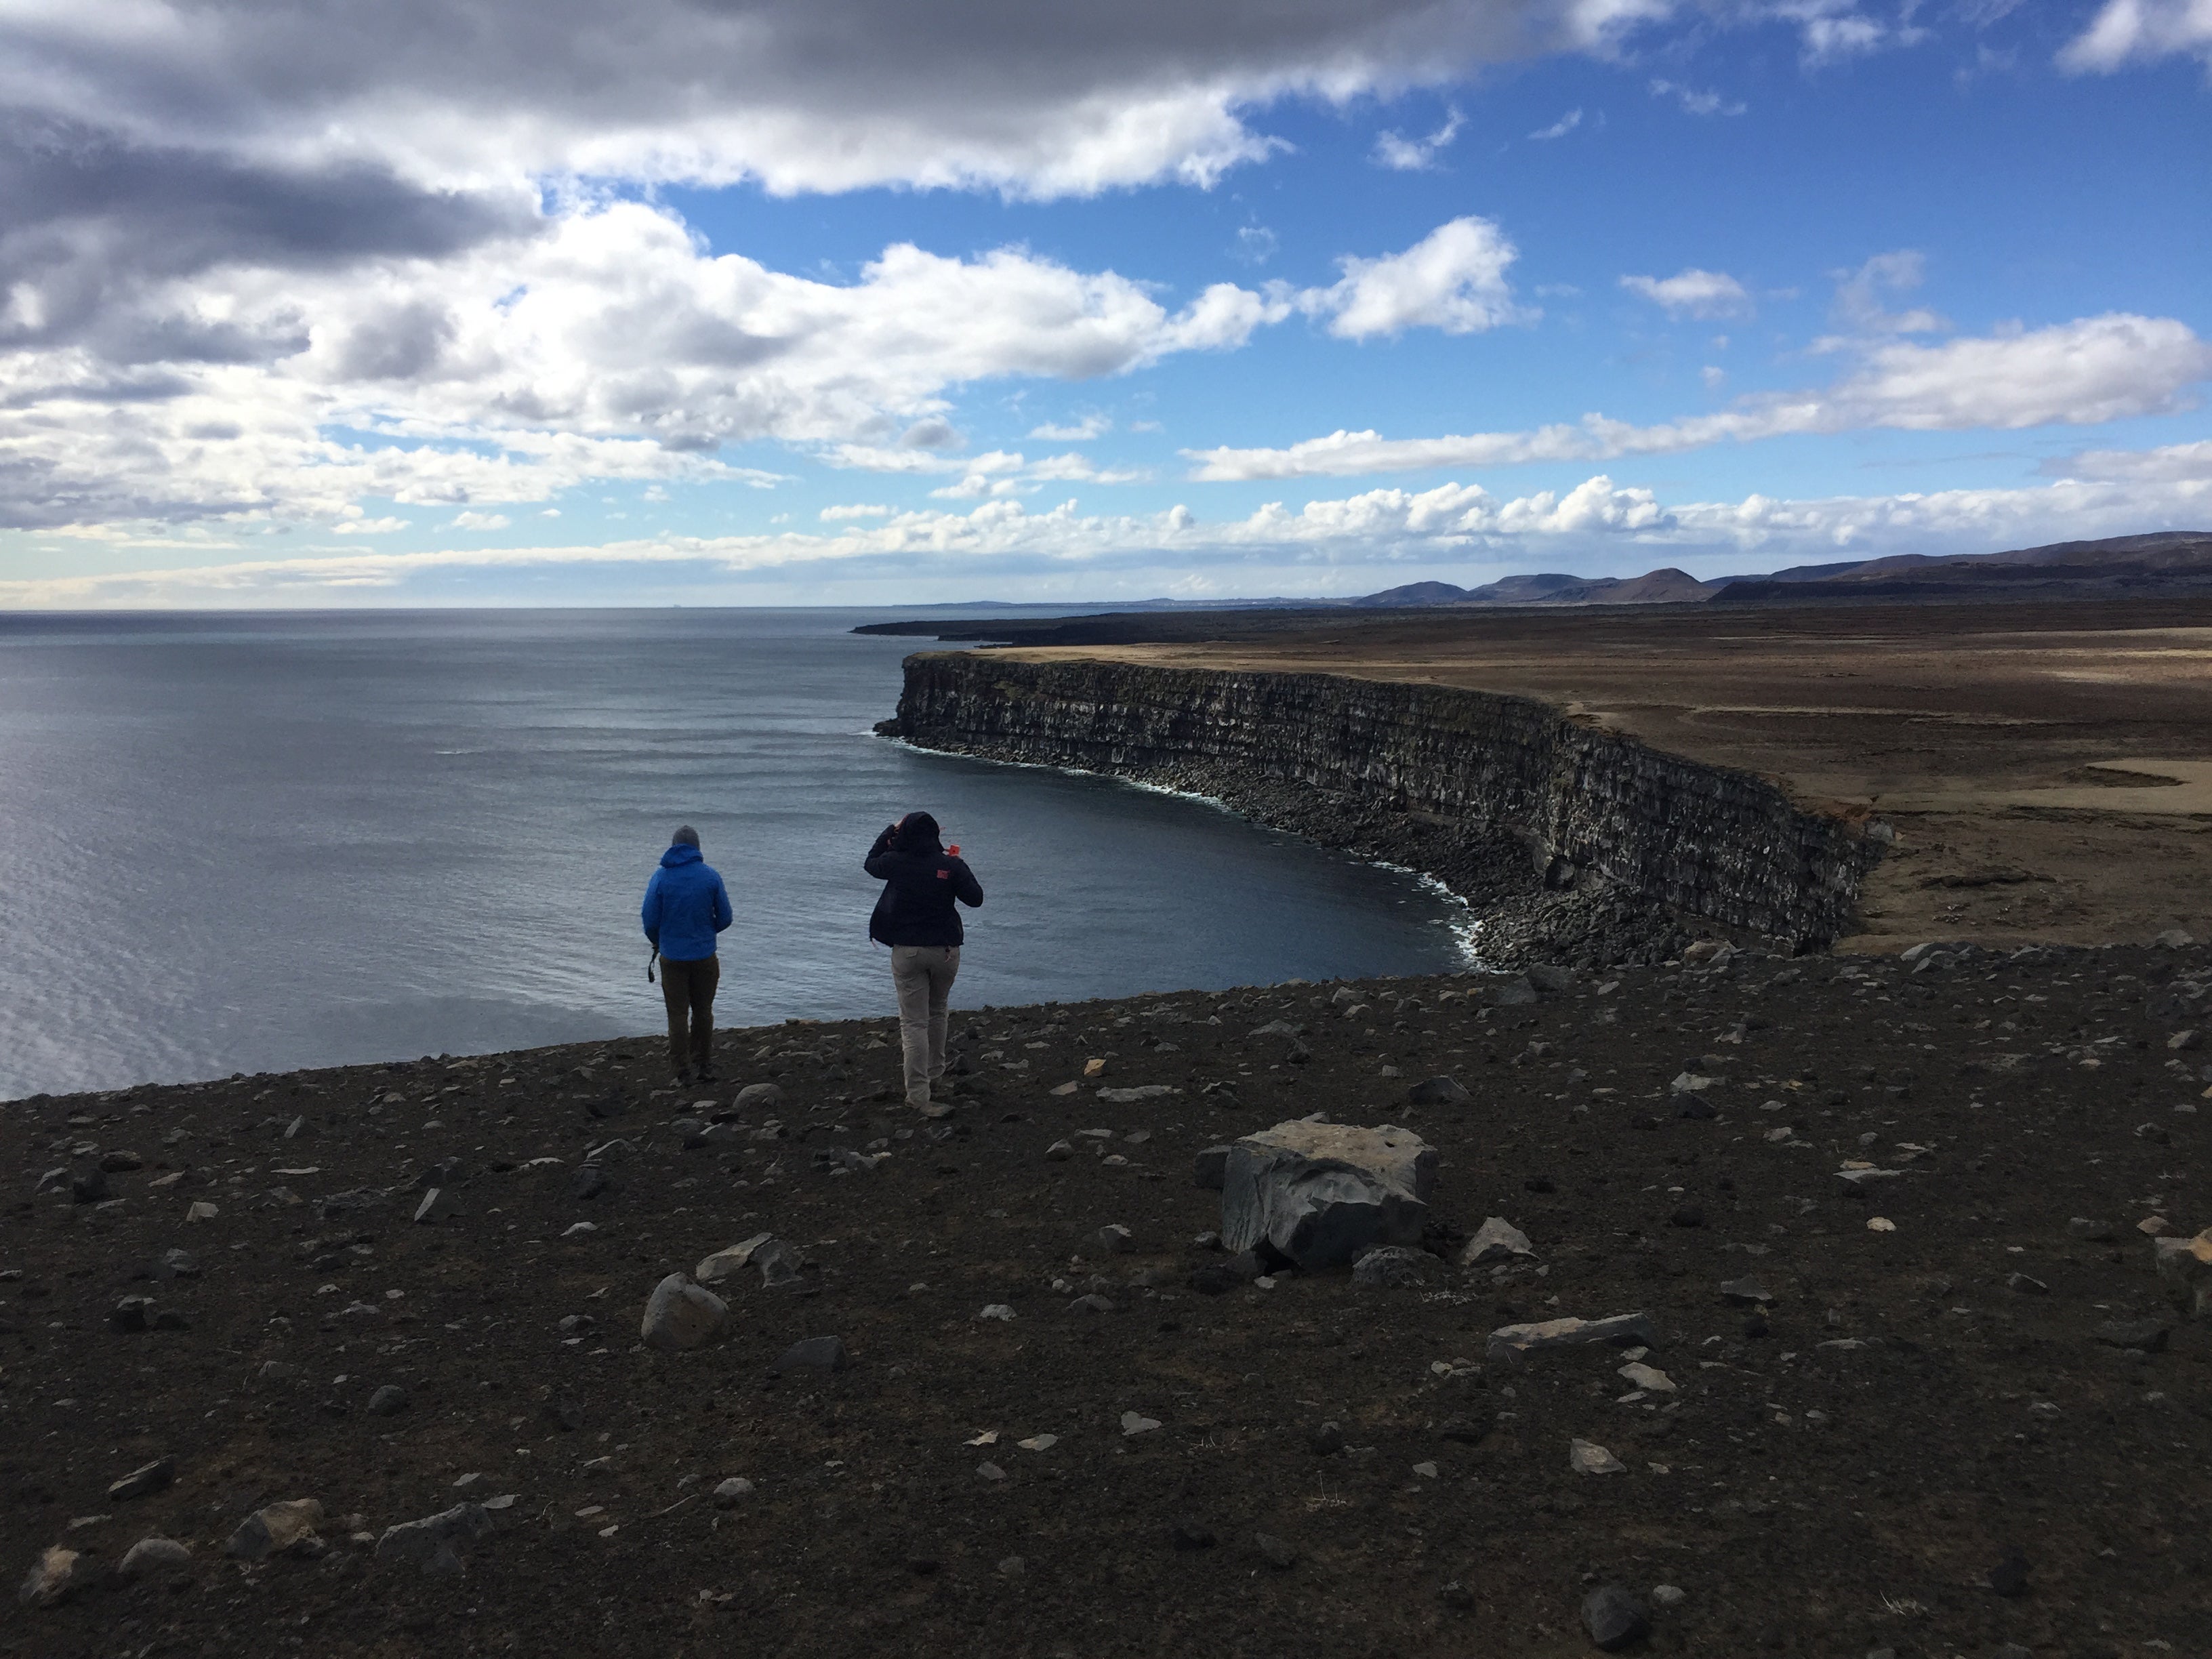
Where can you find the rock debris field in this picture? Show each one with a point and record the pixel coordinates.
(1751, 1307)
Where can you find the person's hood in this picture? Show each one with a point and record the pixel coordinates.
(918, 833)
(679, 855)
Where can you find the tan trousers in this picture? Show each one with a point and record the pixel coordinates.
(923, 976)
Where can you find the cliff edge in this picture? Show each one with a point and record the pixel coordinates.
(1576, 838)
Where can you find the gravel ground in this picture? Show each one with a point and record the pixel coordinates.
(1982, 1423)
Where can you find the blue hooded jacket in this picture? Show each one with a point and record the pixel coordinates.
(685, 905)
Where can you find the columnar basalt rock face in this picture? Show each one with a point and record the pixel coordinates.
(1708, 842)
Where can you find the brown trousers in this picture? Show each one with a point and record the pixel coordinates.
(687, 987)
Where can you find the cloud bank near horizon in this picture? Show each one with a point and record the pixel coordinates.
(404, 271)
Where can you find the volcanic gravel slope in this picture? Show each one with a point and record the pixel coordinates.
(1907, 1431)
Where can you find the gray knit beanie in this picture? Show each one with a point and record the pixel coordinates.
(685, 835)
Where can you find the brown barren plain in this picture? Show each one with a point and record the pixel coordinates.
(2048, 768)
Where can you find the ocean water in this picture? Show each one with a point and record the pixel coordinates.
(251, 842)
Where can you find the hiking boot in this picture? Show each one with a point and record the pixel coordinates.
(706, 1074)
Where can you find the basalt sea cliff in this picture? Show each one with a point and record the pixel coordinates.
(1574, 842)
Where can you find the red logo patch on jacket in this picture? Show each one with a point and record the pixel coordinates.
(944, 875)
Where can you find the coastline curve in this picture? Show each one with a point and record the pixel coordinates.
(1582, 841)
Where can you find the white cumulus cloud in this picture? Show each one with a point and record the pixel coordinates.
(2095, 369)
(2126, 32)
(1403, 154)
(1452, 279)
(1694, 292)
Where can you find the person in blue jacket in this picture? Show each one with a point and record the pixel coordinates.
(685, 906)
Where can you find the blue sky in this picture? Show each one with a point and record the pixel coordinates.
(844, 303)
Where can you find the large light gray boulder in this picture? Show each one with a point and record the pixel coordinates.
(680, 1315)
(1316, 1194)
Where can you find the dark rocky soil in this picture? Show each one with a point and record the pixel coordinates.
(1926, 1440)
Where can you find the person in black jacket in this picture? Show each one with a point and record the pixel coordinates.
(917, 917)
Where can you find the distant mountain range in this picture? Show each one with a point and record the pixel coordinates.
(2169, 562)
(2120, 567)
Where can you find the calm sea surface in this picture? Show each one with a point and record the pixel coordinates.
(245, 843)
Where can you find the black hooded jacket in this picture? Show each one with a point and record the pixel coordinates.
(921, 881)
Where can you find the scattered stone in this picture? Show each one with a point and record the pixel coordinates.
(153, 1555)
(1511, 1344)
(90, 1187)
(1649, 1378)
(1689, 1215)
(1316, 1192)
(200, 1210)
(177, 1264)
(1113, 1240)
(590, 1180)
(990, 1472)
(438, 1205)
(778, 1262)
(1390, 1267)
(1093, 1303)
(1060, 1150)
(120, 1162)
(131, 1315)
(998, 1310)
(1274, 1552)
(1456, 1596)
(277, 1528)
(1746, 1292)
(1438, 1092)
(58, 1573)
(1495, 1240)
(2155, 1226)
(2173, 939)
(144, 1480)
(681, 1315)
(388, 1400)
(1012, 1567)
(724, 1265)
(2092, 1232)
(1210, 1168)
(1517, 992)
(758, 1097)
(816, 1353)
(732, 1491)
(433, 1543)
(1586, 1457)
(1142, 1092)
(1669, 1596)
(2186, 1265)
(1615, 1618)
(1462, 1431)
(2142, 1335)
(2026, 1285)
(1881, 1224)
(1137, 1423)
(1325, 1441)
